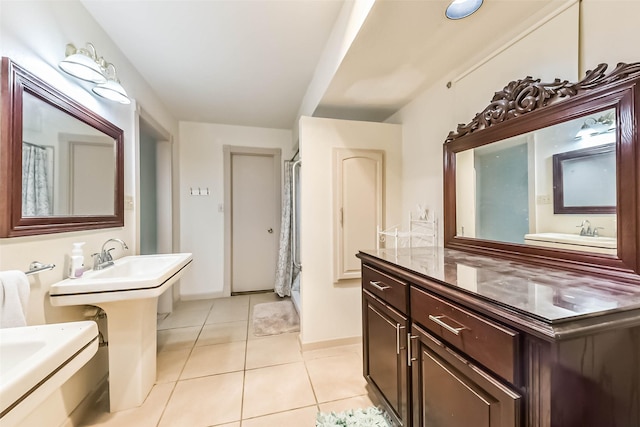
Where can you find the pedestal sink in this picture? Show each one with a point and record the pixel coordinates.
(576, 242)
(36, 360)
(128, 292)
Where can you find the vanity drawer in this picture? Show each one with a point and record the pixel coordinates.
(387, 288)
(491, 344)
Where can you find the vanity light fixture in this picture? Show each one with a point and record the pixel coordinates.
(112, 89)
(459, 9)
(85, 64)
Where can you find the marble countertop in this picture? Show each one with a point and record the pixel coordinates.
(548, 294)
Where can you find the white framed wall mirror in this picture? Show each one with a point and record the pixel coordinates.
(503, 195)
(62, 164)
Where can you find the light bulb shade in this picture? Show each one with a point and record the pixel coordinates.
(113, 91)
(459, 9)
(83, 67)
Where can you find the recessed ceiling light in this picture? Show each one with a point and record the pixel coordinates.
(459, 9)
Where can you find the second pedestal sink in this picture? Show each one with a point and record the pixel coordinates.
(596, 244)
(128, 292)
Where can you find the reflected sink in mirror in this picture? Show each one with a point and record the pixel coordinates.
(36, 360)
(601, 245)
(131, 277)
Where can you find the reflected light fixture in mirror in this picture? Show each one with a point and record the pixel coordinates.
(85, 64)
(459, 9)
(592, 127)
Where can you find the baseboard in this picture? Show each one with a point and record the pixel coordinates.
(319, 345)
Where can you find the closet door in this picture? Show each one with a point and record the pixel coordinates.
(357, 205)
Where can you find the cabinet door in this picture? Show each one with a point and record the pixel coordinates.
(385, 356)
(357, 205)
(449, 391)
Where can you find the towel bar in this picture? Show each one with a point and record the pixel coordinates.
(37, 267)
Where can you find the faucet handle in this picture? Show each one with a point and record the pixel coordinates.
(581, 227)
(107, 255)
(97, 260)
(595, 231)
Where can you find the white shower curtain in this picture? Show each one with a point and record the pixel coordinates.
(35, 190)
(285, 270)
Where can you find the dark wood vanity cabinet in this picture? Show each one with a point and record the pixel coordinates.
(385, 362)
(442, 353)
(450, 391)
(385, 336)
(447, 390)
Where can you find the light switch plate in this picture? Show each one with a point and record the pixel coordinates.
(128, 203)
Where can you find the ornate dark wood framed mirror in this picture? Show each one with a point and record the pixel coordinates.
(498, 174)
(61, 164)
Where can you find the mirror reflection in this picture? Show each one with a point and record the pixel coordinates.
(68, 167)
(507, 191)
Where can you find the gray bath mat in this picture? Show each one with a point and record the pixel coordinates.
(274, 318)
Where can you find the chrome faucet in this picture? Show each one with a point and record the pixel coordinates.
(588, 231)
(583, 231)
(104, 259)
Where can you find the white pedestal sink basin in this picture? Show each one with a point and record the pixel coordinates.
(36, 360)
(128, 292)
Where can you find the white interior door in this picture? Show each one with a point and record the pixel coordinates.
(87, 197)
(255, 222)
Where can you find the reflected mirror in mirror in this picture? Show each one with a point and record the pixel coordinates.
(68, 167)
(583, 179)
(505, 190)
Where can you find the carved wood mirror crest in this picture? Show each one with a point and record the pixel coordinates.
(498, 174)
(526, 95)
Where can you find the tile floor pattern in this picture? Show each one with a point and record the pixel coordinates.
(212, 371)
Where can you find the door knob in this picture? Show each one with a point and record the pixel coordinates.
(270, 231)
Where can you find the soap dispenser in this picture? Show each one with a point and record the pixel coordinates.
(76, 264)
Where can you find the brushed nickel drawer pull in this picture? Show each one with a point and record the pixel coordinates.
(410, 357)
(377, 285)
(437, 319)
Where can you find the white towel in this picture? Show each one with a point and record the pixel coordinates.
(14, 297)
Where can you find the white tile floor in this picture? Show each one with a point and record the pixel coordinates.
(212, 371)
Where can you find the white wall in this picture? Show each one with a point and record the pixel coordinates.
(549, 51)
(608, 33)
(578, 39)
(34, 34)
(201, 225)
(332, 311)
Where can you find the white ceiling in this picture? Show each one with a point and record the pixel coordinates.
(406, 46)
(249, 62)
(241, 62)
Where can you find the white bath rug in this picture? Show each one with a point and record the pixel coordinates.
(368, 417)
(274, 318)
